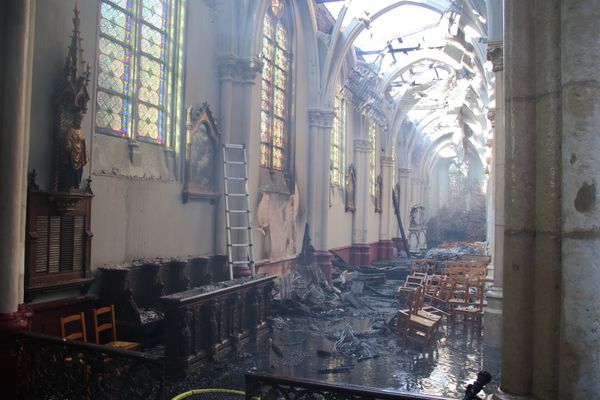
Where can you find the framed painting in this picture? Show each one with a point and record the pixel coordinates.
(201, 146)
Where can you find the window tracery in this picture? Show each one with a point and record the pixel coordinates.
(274, 129)
(338, 138)
(138, 68)
(372, 159)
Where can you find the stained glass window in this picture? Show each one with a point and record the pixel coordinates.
(138, 68)
(372, 158)
(274, 146)
(338, 137)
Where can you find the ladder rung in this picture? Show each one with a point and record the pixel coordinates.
(236, 179)
(235, 162)
(238, 228)
(236, 194)
(238, 211)
(240, 262)
(234, 146)
(239, 245)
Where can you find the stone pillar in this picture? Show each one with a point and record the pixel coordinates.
(359, 253)
(579, 349)
(17, 25)
(320, 123)
(386, 246)
(548, 193)
(492, 333)
(227, 72)
(519, 232)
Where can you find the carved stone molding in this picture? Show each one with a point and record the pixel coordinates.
(362, 145)
(250, 69)
(495, 54)
(491, 115)
(321, 118)
(387, 161)
(228, 66)
(403, 172)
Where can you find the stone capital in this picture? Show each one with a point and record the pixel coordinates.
(387, 161)
(495, 54)
(228, 66)
(403, 172)
(362, 145)
(321, 118)
(250, 69)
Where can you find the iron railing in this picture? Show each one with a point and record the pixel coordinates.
(55, 368)
(275, 387)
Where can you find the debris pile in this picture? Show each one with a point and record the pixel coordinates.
(349, 345)
(455, 250)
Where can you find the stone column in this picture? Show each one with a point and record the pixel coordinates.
(17, 25)
(227, 72)
(386, 246)
(247, 110)
(548, 193)
(320, 123)
(579, 350)
(492, 333)
(519, 232)
(359, 253)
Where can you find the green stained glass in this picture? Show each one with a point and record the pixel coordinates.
(281, 37)
(153, 12)
(268, 26)
(111, 49)
(274, 107)
(111, 74)
(150, 81)
(278, 159)
(267, 70)
(265, 155)
(152, 42)
(265, 128)
(280, 78)
(121, 3)
(148, 122)
(113, 23)
(267, 49)
(281, 60)
(110, 113)
(278, 133)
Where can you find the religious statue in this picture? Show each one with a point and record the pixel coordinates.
(74, 154)
(350, 188)
(378, 194)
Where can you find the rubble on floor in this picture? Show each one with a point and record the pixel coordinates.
(455, 250)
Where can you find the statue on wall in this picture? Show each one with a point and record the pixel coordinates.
(74, 154)
(378, 194)
(350, 188)
(71, 153)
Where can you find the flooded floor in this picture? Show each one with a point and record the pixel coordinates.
(369, 353)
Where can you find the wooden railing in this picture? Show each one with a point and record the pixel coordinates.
(205, 323)
(55, 368)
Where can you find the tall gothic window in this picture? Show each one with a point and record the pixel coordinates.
(457, 176)
(274, 126)
(372, 158)
(139, 85)
(338, 137)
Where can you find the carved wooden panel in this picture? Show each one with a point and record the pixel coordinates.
(58, 243)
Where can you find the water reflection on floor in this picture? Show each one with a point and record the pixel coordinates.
(444, 370)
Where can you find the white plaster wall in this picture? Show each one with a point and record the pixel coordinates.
(137, 211)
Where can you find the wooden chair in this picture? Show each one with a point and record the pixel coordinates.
(77, 335)
(98, 313)
(471, 311)
(417, 325)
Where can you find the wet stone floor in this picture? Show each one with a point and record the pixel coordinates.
(360, 342)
